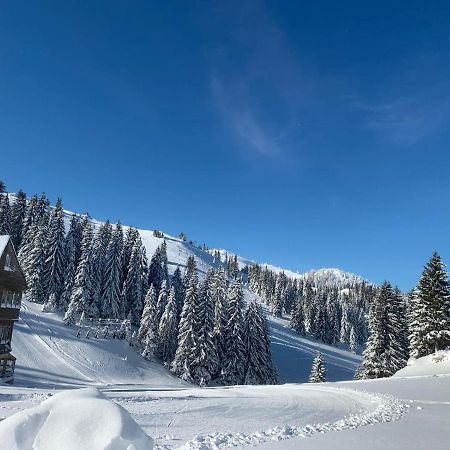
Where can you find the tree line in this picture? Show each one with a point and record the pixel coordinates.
(201, 330)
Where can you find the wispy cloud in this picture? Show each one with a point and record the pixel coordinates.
(418, 104)
(260, 98)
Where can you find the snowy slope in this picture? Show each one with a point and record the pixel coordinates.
(49, 354)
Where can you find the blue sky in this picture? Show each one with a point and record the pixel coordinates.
(305, 135)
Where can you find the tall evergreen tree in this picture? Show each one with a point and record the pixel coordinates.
(219, 295)
(55, 259)
(297, 321)
(5, 214)
(135, 285)
(101, 242)
(182, 364)
(430, 325)
(111, 305)
(168, 329)
(205, 360)
(162, 300)
(259, 368)
(378, 345)
(82, 298)
(234, 362)
(72, 252)
(18, 213)
(178, 286)
(318, 371)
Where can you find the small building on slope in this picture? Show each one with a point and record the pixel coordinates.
(12, 285)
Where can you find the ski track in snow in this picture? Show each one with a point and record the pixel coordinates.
(389, 409)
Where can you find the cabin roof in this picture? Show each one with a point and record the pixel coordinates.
(4, 241)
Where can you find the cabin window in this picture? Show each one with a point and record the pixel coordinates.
(5, 334)
(7, 368)
(9, 266)
(10, 299)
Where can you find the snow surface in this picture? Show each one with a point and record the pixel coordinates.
(435, 364)
(74, 420)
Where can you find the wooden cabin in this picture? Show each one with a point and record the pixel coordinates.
(12, 285)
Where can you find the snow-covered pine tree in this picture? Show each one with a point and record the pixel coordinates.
(82, 298)
(178, 286)
(72, 252)
(398, 352)
(318, 371)
(101, 242)
(18, 213)
(374, 358)
(162, 300)
(191, 269)
(182, 363)
(149, 318)
(234, 362)
(5, 214)
(33, 265)
(111, 305)
(55, 260)
(278, 298)
(219, 295)
(297, 322)
(128, 243)
(168, 329)
(430, 324)
(310, 308)
(345, 326)
(205, 359)
(353, 340)
(156, 273)
(259, 368)
(135, 285)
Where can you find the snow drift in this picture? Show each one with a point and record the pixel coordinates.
(435, 364)
(73, 420)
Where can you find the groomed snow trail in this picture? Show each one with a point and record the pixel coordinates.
(216, 418)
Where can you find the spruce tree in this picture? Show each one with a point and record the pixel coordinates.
(234, 362)
(182, 364)
(5, 214)
(318, 371)
(297, 322)
(156, 274)
(101, 242)
(72, 252)
(135, 285)
(168, 329)
(18, 213)
(219, 295)
(162, 300)
(374, 355)
(259, 368)
(82, 298)
(430, 325)
(178, 286)
(111, 305)
(205, 360)
(55, 260)
(148, 320)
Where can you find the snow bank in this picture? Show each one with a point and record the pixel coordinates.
(74, 420)
(435, 364)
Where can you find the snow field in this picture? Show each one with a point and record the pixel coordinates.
(74, 420)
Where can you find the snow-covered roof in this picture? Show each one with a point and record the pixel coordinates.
(3, 243)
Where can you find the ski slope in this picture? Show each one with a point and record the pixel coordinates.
(49, 354)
